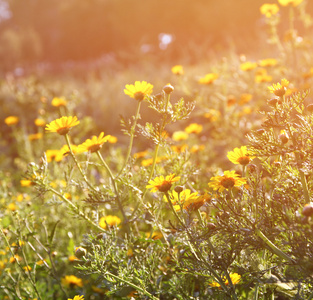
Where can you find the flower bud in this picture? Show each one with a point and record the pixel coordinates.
(284, 138)
(80, 252)
(178, 189)
(310, 107)
(308, 210)
(168, 89)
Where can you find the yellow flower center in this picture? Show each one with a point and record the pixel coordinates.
(228, 183)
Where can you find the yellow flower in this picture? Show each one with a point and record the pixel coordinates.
(179, 148)
(194, 128)
(54, 154)
(15, 258)
(11, 120)
(94, 144)
(269, 9)
(268, 62)
(139, 90)
(40, 122)
(72, 258)
(63, 125)
(77, 297)
(35, 136)
(162, 184)
(156, 235)
(140, 154)
(262, 76)
(12, 206)
(240, 156)
(112, 139)
(212, 114)
(208, 78)
(197, 148)
(226, 181)
(72, 281)
(58, 101)
(180, 136)
(178, 70)
(290, 2)
(234, 277)
(26, 182)
(27, 268)
(187, 200)
(245, 98)
(109, 220)
(248, 66)
(279, 89)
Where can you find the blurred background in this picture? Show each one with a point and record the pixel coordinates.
(48, 33)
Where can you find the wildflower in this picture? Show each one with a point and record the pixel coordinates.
(63, 125)
(80, 252)
(248, 66)
(109, 220)
(94, 144)
(140, 154)
(26, 182)
(65, 149)
(72, 281)
(156, 235)
(11, 120)
(72, 258)
(162, 184)
(283, 136)
(112, 139)
(177, 70)
(245, 98)
(27, 268)
(308, 210)
(290, 2)
(231, 100)
(279, 89)
(40, 262)
(168, 89)
(12, 206)
(15, 258)
(269, 9)
(208, 78)
(196, 148)
(35, 136)
(194, 128)
(234, 277)
(77, 297)
(57, 102)
(268, 62)
(40, 122)
(212, 114)
(180, 136)
(262, 76)
(240, 156)
(227, 181)
(139, 90)
(179, 148)
(53, 154)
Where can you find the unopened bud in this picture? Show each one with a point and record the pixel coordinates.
(168, 88)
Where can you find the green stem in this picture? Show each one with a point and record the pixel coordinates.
(76, 162)
(132, 135)
(145, 292)
(119, 203)
(273, 247)
(26, 273)
(76, 209)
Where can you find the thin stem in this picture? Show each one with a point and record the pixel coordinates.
(132, 135)
(273, 247)
(114, 186)
(145, 292)
(76, 162)
(76, 209)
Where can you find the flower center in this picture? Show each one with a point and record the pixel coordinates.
(139, 96)
(228, 183)
(63, 130)
(244, 160)
(94, 148)
(164, 186)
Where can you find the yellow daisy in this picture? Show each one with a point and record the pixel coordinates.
(290, 2)
(208, 78)
(268, 62)
(40, 122)
(162, 184)
(63, 125)
(234, 277)
(269, 9)
(57, 102)
(139, 90)
(226, 181)
(109, 221)
(194, 128)
(279, 89)
(177, 70)
(11, 120)
(240, 156)
(248, 66)
(180, 136)
(72, 281)
(77, 297)
(94, 144)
